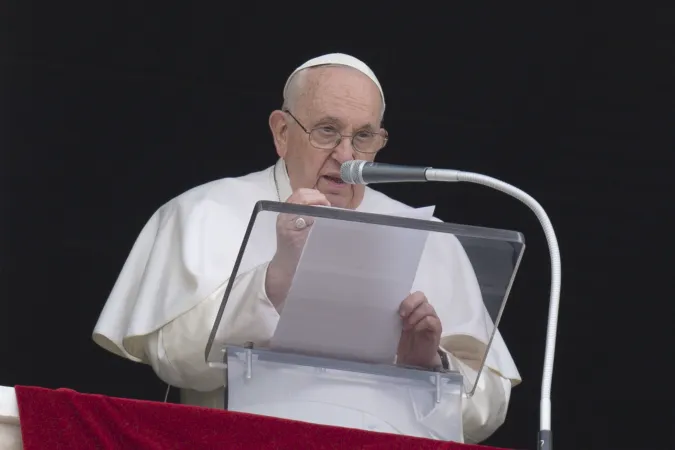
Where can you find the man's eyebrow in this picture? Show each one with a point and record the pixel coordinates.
(337, 121)
(329, 119)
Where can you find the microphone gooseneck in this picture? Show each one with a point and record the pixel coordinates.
(363, 172)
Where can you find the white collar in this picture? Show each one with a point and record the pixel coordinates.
(283, 183)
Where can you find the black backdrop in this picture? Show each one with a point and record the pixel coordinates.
(109, 110)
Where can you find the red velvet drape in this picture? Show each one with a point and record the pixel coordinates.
(65, 419)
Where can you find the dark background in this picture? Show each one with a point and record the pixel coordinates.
(110, 109)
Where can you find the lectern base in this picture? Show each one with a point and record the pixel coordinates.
(363, 396)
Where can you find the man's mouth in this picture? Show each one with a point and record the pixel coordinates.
(334, 179)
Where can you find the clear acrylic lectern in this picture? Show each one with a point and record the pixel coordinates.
(328, 355)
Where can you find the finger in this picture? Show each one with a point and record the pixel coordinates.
(308, 197)
(417, 315)
(312, 199)
(410, 303)
(302, 197)
(306, 191)
(428, 324)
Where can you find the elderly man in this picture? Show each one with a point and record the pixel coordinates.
(162, 308)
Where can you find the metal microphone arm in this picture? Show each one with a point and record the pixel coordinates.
(544, 437)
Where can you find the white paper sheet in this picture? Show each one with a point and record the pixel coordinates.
(349, 283)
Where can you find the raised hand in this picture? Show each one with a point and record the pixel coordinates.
(292, 232)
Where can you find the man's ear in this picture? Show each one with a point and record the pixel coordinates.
(279, 128)
(383, 132)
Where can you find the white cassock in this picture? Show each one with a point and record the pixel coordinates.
(164, 303)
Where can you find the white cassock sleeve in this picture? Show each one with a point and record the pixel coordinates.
(483, 413)
(185, 253)
(176, 351)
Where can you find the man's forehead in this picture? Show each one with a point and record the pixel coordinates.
(342, 106)
(336, 81)
(339, 95)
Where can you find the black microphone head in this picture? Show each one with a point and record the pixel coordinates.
(350, 171)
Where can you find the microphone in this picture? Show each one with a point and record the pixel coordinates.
(364, 172)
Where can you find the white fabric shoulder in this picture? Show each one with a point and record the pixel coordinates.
(181, 256)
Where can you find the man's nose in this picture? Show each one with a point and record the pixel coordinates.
(344, 151)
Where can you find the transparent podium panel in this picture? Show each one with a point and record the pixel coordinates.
(349, 394)
(328, 283)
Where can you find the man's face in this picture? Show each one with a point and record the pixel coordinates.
(334, 99)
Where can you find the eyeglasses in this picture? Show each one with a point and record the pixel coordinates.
(327, 137)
